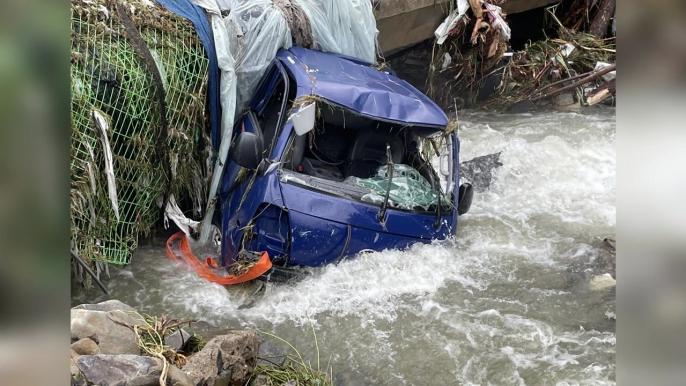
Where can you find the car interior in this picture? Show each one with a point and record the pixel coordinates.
(344, 145)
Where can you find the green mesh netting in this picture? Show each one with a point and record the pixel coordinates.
(409, 189)
(110, 77)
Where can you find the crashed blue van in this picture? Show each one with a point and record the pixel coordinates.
(354, 180)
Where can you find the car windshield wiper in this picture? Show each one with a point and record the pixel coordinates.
(382, 212)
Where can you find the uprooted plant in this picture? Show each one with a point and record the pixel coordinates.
(296, 371)
(150, 336)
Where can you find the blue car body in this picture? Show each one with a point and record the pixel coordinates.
(296, 223)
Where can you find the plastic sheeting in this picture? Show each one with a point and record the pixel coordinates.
(497, 20)
(409, 189)
(260, 30)
(227, 94)
(344, 26)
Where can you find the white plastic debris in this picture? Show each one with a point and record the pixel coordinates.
(495, 12)
(610, 75)
(103, 126)
(567, 49)
(343, 26)
(447, 59)
(498, 21)
(443, 30)
(227, 96)
(173, 212)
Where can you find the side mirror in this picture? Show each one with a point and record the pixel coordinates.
(445, 163)
(247, 150)
(464, 198)
(303, 119)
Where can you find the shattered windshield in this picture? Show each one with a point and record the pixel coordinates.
(409, 189)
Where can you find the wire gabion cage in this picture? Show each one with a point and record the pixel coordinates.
(142, 71)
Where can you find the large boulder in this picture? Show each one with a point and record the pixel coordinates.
(128, 370)
(225, 360)
(97, 322)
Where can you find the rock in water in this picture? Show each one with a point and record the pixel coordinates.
(524, 106)
(273, 355)
(110, 305)
(480, 170)
(85, 346)
(226, 359)
(601, 282)
(177, 340)
(564, 99)
(128, 370)
(100, 327)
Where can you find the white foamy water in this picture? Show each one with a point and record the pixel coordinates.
(505, 303)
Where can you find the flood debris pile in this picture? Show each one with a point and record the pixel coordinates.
(471, 66)
(567, 72)
(138, 85)
(469, 43)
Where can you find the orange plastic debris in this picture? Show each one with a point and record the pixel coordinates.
(262, 266)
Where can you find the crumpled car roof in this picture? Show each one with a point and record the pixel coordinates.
(354, 84)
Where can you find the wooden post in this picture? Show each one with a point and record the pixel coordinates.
(601, 21)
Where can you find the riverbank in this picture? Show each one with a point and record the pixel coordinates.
(114, 344)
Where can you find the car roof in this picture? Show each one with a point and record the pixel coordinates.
(354, 84)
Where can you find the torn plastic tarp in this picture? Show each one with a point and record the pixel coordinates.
(496, 20)
(345, 26)
(227, 93)
(444, 30)
(173, 212)
(610, 75)
(196, 16)
(409, 189)
(261, 30)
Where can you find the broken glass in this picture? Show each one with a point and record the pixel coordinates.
(409, 189)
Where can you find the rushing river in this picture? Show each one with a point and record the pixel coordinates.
(507, 302)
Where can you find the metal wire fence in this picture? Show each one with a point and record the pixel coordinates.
(154, 129)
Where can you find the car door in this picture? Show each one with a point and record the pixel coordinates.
(244, 192)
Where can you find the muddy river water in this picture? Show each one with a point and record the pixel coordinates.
(506, 302)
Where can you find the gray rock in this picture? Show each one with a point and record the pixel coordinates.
(261, 380)
(225, 360)
(524, 106)
(128, 370)
(564, 99)
(480, 171)
(177, 340)
(85, 346)
(109, 305)
(98, 326)
(270, 355)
